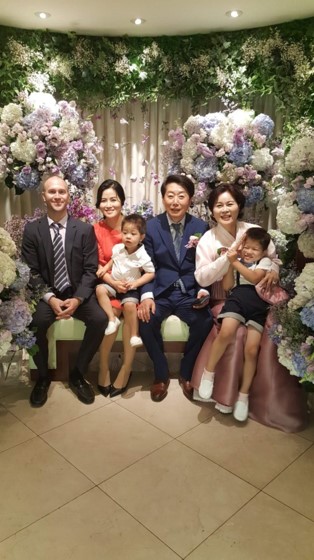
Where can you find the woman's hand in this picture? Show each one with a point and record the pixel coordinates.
(144, 310)
(270, 279)
(232, 254)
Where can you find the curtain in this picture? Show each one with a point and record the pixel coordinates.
(133, 138)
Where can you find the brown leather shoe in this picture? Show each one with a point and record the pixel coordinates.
(159, 390)
(186, 388)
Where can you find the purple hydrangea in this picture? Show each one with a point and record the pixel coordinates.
(15, 315)
(23, 274)
(254, 195)
(305, 200)
(307, 315)
(264, 125)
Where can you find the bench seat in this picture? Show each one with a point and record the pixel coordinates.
(64, 338)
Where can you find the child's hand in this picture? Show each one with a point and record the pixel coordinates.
(131, 285)
(232, 255)
(120, 286)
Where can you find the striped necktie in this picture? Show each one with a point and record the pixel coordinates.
(60, 270)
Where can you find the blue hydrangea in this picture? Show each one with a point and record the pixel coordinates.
(210, 121)
(78, 176)
(23, 274)
(26, 339)
(240, 155)
(307, 315)
(205, 169)
(299, 363)
(264, 125)
(254, 195)
(274, 335)
(27, 179)
(305, 200)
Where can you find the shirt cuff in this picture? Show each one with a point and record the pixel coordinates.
(47, 296)
(148, 295)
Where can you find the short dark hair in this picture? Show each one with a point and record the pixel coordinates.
(110, 184)
(181, 180)
(137, 220)
(260, 235)
(235, 192)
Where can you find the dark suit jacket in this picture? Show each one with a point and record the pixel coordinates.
(159, 245)
(80, 252)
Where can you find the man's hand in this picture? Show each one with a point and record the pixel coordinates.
(270, 279)
(63, 309)
(145, 308)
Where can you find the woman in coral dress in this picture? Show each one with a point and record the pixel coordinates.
(276, 398)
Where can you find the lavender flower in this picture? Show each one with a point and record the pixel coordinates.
(254, 195)
(264, 125)
(15, 315)
(305, 200)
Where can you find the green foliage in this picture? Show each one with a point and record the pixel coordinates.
(100, 71)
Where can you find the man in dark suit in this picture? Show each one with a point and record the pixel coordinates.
(174, 288)
(75, 297)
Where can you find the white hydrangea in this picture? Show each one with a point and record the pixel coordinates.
(193, 125)
(69, 129)
(241, 118)
(284, 356)
(301, 155)
(7, 270)
(11, 114)
(262, 159)
(288, 219)
(7, 244)
(24, 150)
(222, 135)
(306, 244)
(5, 342)
(304, 287)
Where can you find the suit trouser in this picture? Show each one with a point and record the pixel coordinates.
(200, 322)
(95, 320)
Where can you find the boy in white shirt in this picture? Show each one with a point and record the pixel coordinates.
(130, 265)
(243, 305)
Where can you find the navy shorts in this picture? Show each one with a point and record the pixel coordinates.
(246, 306)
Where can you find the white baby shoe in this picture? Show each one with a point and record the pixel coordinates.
(136, 341)
(223, 408)
(206, 388)
(112, 326)
(241, 410)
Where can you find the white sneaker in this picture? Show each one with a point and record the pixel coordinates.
(112, 326)
(206, 388)
(224, 409)
(197, 397)
(136, 341)
(241, 410)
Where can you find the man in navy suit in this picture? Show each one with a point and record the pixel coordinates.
(77, 299)
(174, 288)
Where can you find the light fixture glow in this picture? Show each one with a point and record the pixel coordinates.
(138, 21)
(234, 13)
(42, 15)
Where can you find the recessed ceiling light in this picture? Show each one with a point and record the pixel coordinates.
(234, 13)
(42, 15)
(138, 21)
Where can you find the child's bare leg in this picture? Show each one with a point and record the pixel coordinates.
(130, 317)
(224, 338)
(251, 349)
(104, 301)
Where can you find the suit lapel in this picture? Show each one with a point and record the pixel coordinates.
(44, 233)
(69, 240)
(187, 232)
(165, 234)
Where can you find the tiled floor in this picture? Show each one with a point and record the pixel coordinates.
(131, 479)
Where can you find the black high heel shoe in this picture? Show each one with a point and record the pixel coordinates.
(105, 391)
(114, 392)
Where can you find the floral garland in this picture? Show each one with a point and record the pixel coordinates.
(51, 139)
(15, 303)
(224, 148)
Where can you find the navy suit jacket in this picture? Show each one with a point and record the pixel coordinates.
(159, 245)
(80, 252)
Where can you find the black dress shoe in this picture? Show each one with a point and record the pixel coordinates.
(82, 389)
(39, 394)
(114, 392)
(104, 390)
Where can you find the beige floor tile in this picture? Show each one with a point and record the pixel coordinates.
(178, 495)
(92, 526)
(62, 406)
(308, 433)
(254, 452)
(105, 441)
(34, 480)
(12, 431)
(14, 381)
(295, 486)
(174, 415)
(263, 530)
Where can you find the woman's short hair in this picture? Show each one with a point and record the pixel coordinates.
(181, 180)
(235, 192)
(110, 184)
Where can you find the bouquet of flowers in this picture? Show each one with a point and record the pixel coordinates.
(293, 329)
(49, 140)
(15, 306)
(224, 148)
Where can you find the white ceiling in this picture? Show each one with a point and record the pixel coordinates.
(163, 17)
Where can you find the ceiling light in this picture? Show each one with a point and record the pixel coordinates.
(138, 21)
(234, 13)
(42, 15)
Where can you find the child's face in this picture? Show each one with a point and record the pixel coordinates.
(131, 237)
(251, 251)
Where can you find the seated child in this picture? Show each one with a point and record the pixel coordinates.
(243, 305)
(129, 268)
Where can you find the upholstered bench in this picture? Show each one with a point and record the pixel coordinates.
(64, 340)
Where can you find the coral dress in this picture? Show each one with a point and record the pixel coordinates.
(276, 398)
(106, 239)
